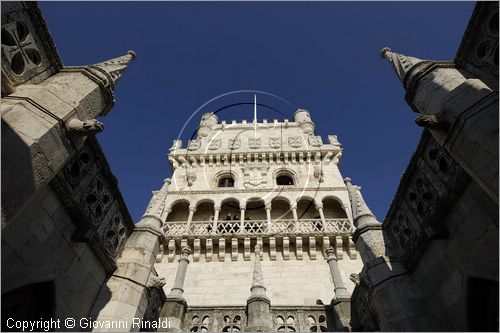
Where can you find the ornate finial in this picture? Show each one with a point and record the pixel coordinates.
(359, 207)
(400, 62)
(384, 51)
(132, 53)
(113, 69)
(347, 180)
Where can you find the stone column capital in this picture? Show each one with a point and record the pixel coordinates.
(192, 208)
(268, 205)
(330, 253)
(217, 207)
(319, 205)
(185, 251)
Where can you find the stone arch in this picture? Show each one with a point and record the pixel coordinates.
(333, 208)
(179, 211)
(219, 176)
(282, 172)
(280, 208)
(229, 206)
(306, 208)
(255, 209)
(204, 210)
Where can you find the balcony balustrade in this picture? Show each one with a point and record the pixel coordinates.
(338, 226)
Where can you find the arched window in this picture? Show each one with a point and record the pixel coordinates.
(284, 178)
(226, 181)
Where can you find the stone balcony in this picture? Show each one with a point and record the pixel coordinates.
(259, 228)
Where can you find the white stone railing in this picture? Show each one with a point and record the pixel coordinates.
(337, 226)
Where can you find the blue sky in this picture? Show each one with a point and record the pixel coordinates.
(322, 56)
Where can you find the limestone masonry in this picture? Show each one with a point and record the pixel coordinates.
(256, 229)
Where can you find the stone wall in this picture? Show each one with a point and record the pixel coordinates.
(289, 282)
(38, 247)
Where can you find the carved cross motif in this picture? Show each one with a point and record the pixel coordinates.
(295, 141)
(19, 47)
(96, 199)
(254, 143)
(114, 233)
(194, 144)
(215, 144)
(403, 233)
(315, 140)
(234, 143)
(274, 142)
(421, 197)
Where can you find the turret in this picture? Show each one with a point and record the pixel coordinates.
(208, 120)
(303, 118)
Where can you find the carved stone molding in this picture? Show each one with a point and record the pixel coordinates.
(91, 197)
(255, 175)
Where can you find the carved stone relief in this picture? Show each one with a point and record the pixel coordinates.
(275, 142)
(254, 143)
(234, 144)
(215, 144)
(255, 174)
(295, 141)
(194, 144)
(315, 140)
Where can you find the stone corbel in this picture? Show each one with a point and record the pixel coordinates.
(246, 249)
(312, 248)
(326, 243)
(234, 249)
(196, 250)
(222, 249)
(184, 243)
(298, 248)
(351, 248)
(286, 248)
(159, 256)
(171, 250)
(339, 247)
(272, 248)
(209, 250)
(84, 127)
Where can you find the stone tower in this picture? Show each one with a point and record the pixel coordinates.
(272, 190)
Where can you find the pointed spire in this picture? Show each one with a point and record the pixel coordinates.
(358, 204)
(257, 289)
(402, 64)
(113, 69)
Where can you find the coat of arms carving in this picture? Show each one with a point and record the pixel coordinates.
(254, 143)
(194, 144)
(255, 175)
(315, 140)
(234, 143)
(214, 144)
(295, 141)
(275, 142)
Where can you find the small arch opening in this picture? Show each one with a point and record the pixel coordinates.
(226, 181)
(284, 179)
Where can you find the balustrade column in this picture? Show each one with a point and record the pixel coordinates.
(268, 215)
(242, 215)
(190, 216)
(294, 212)
(319, 207)
(216, 218)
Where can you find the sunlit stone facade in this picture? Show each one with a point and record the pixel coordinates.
(238, 184)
